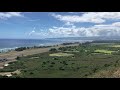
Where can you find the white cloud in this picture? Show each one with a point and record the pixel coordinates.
(68, 24)
(5, 15)
(38, 34)
(31, 32)
(116, 24)
(96, 30)
(92, 17)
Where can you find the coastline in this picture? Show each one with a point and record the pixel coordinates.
(12, 54)
(10, 45)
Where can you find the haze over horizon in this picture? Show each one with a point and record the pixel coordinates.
(38, 25)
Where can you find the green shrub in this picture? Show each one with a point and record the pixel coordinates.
(53, 63)
(17, 57)
(20, 49)
(53, 50)
(31, 73)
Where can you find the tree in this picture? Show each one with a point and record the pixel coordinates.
(53, 50)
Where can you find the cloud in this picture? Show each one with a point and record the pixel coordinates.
(96, 30)
(68, 23)
(116, 24)
(38, 34)
(6, 15)
(73, 31)
(31, 32)
(92, 17)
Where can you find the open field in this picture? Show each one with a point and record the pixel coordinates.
(115, 45)
(103, 51)
(60, 54)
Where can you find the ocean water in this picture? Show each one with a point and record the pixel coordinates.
(9, 44)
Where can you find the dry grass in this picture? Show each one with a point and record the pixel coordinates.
(60, 54)
(112, 73)
(103, 51)
(115, 46)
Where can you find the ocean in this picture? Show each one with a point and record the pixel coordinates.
(9, 44)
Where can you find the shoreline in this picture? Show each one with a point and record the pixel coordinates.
(11, 48)
(12, 55)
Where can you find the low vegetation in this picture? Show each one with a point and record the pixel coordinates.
(82, 61)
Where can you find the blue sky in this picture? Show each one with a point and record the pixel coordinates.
(37, 25)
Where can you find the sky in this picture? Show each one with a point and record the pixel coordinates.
(38, 25)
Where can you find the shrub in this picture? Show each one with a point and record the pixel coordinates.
(55, 58)
(106, 65)
(62, 48)
(44, 62)
(95, 69)
(31, 73)
(53, 50)
(52, 63)
(17, 57)
(20, 49)
(61, 68)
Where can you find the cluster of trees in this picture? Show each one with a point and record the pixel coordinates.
(106, 41)
(53, 50)
(24, 48)
(62, 48)
(21, 49)
(70, 43)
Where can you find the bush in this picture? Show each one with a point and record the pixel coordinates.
(31, 73)
(53, 50)
(61, 68)
(52, 63)
(51, 66)
(20, 49)
(17, 57)
(62, 48)
(44, 62)
(55, 58)
(106, 65)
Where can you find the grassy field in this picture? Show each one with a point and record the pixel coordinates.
(61, 54)
(103, 51)
(115, 45)
(58, 64)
